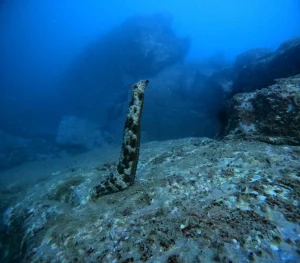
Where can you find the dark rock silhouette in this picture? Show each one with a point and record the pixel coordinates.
(140, 47)
(262, 72)
(250, 56)
(253, 70)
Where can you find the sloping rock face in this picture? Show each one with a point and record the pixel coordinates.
(195, 200)
(249, 57)
(260, 68)
(271, 114)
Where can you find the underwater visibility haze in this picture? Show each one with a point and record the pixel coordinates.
(150, 131)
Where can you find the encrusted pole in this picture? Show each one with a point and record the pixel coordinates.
(124, 175)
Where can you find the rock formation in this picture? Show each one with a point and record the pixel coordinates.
(140, 47)
(262, 72)
(271, 114)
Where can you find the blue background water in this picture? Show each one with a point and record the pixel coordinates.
(41, 39)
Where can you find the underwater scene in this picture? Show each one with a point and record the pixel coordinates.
(159, 131)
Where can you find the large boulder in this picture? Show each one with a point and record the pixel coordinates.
(140, 47)
(271, 114)
(257, 69)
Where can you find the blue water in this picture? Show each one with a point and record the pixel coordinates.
(41, 40)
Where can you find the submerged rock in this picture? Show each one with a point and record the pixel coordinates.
(140, 47)
(194, 200)
(248, 57)
(258, 68)
(262, 68)
(271, 114)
